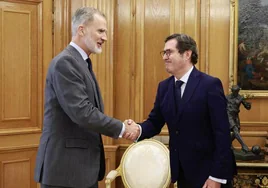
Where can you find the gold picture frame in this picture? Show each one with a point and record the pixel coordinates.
(259, 85)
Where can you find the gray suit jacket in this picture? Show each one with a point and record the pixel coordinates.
(71, 151)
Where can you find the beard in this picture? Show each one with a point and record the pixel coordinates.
(92, 46)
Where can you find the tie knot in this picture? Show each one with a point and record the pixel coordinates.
(179, 83)
(89, 63)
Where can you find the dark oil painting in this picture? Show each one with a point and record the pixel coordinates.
(252, 52)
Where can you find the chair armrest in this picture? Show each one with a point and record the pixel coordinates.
(110, 177)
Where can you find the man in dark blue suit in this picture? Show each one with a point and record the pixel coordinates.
(193, 106)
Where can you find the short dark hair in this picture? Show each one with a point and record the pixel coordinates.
(184, 43)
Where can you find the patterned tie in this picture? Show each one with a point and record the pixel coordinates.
(89, 65)
(178, 92)
(102, 158)
(93, 76)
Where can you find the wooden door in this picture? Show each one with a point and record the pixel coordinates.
(25, 51)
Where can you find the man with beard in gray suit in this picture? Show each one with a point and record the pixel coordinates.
(71, 152)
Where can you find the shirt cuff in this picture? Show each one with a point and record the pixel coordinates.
(223, 181)
(122, 131)
(140, 133)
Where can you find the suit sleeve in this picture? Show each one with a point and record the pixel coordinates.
(70, 90)
(222, 157)
(153, 125)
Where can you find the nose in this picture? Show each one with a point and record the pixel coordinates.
(165, 57)
(104, 37)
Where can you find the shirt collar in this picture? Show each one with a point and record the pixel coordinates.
(80, 50)
(185, 77)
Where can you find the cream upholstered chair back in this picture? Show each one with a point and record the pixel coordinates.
(144, 165)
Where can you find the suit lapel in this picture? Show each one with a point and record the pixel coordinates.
(191, 85)
(96, 89)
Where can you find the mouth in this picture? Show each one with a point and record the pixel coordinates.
(167, 62)
(99, 44)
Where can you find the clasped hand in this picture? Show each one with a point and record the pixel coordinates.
(132, 130)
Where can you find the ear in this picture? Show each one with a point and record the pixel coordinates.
(188, 54)
(80, 30)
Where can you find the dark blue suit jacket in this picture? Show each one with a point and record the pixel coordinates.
(199, 131)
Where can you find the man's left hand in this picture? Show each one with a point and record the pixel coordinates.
(211, 184)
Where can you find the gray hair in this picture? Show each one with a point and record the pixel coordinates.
(83, 16)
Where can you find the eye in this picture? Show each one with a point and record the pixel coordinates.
(168, 52)
(102, 31)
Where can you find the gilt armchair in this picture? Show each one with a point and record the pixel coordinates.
(144, 164)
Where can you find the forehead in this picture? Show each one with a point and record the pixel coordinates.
(171, 44)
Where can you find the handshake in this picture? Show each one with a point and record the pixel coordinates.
(132, 130)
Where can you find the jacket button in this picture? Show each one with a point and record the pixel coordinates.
(177, 132)
(175, 150)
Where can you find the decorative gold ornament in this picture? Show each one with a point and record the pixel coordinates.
(265, 181)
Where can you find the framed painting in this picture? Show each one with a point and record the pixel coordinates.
(248, 62)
